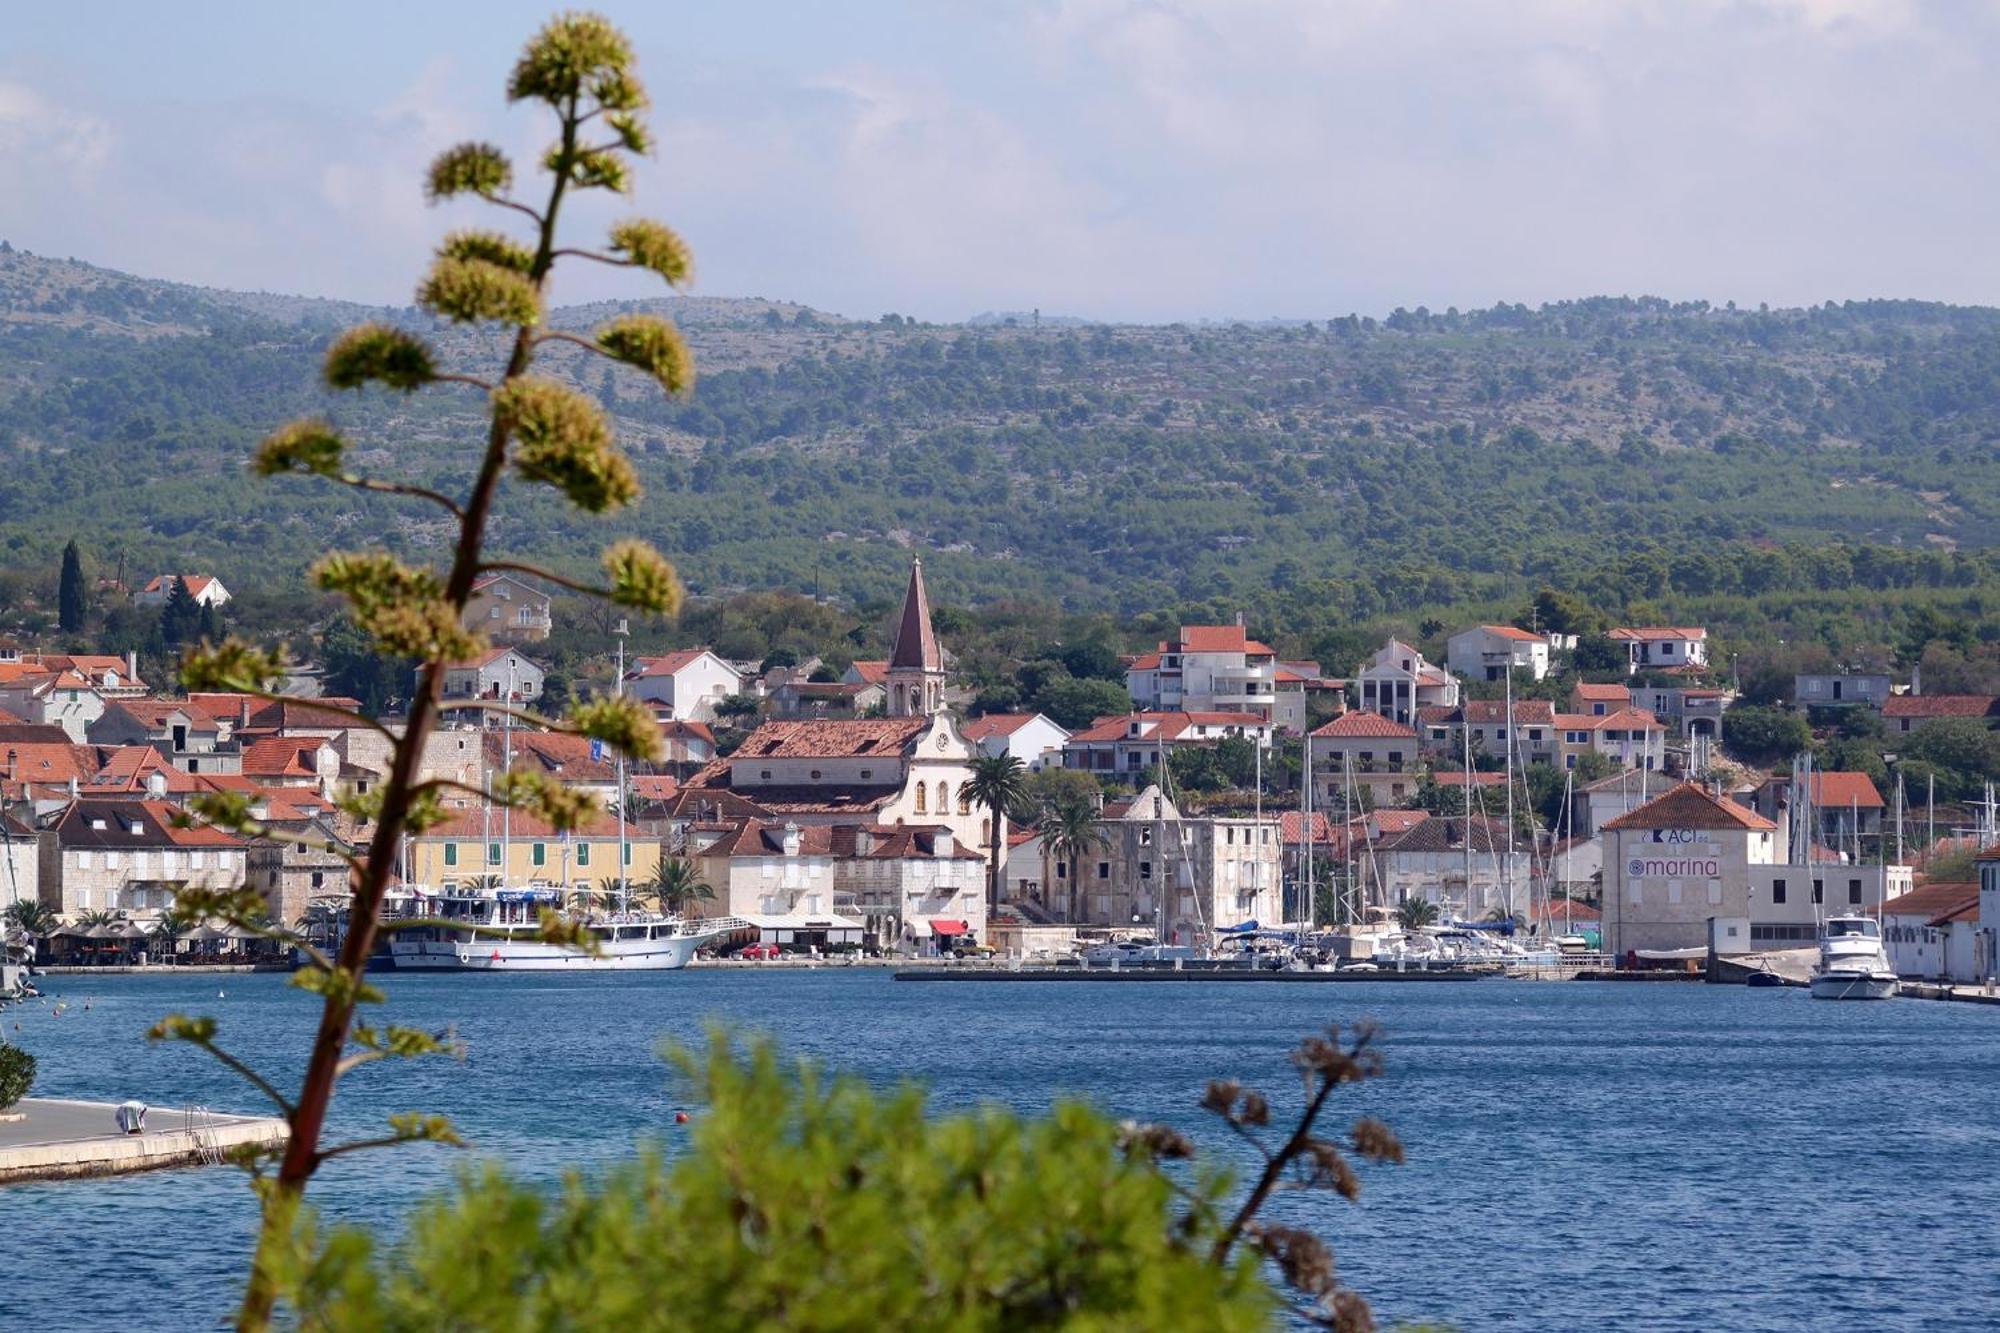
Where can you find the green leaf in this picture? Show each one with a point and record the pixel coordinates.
(232, 665)
(576, 56)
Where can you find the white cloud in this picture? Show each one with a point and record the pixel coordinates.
(1148, 158)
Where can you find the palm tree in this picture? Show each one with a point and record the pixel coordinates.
(1416, 913)
(93, 919)
(1000, 783)
(676, 882)
(1070, 833)
(29, 917)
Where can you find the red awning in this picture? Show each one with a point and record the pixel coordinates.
(945, 927)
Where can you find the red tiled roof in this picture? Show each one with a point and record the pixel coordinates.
(1292, 826)
(833, 738)
(666, 665)
(1625, 719)
(654, 786)
(41, 761)
(1366, 726)
(1450, 777)
(1144, 662)
(1557, 909)
(1691, 805)
(1654, 633)
(1511, 632)
(1602, 693)
(1931, 901)
(1940, 705)
(871, 673)
(1219, 639)
(281, 757)
(552, 751)
(1845, 790)
(996, 724)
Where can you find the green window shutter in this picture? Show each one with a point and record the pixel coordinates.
(493, 853)
(583, 853)
(541, 853)
(451, 853)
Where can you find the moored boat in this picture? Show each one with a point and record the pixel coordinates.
(1852, 964)
(499, 930)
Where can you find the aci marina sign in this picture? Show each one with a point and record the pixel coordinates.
(1676, 853)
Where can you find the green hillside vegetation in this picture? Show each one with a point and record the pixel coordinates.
(1817, 474)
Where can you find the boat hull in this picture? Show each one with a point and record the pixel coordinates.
(1853, 986)
(488, 955)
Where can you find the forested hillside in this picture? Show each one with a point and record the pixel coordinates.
(1627, 450)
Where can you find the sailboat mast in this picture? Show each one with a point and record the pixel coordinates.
(1507, 866)
(1306, 810)
(1465, 804)
(624, 853)
(507, 766)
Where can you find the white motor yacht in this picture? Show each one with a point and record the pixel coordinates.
(1852, 964)
(499, 930)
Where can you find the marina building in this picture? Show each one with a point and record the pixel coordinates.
(1689, 858)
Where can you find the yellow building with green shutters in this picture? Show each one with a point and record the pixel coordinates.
(477, 843)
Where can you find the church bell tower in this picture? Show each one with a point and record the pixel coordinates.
(916, 666)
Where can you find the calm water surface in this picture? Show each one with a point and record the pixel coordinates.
(1628, 1156)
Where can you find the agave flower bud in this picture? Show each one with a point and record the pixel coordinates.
(652, 345)
(488, 247)
(642, 578)
(231, 665)
(622, 722)
(575, 55)
(470, 168)
(308, 445)
(471, 291)
(378, 352)
(565, 441)
(656, 246)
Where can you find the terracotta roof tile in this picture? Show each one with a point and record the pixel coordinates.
(1691, 805)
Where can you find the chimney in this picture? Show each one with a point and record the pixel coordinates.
(791, 839)
(131, 665)
(943, 843)
(156, 786)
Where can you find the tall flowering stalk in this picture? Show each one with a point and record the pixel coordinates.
(581, 69)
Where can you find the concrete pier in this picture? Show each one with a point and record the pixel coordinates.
(1190, 975)
(46, 1139)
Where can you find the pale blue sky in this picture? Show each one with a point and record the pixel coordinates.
(1149, 159)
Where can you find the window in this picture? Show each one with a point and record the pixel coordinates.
(1062, 871)
(1145, 837)
(923, 799)
(1104, 870)
(451, 853)
(815, 775)
(583, 853)
(1715, 893)
(541, 854)
(1145, 870)
(1777, 890)
(964, 799)
(867, 773)
(628, 853)
(1819, 890)
(944, 798)
(1854, 892)
(493, 853)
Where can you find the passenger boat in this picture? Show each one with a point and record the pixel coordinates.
(1852, 964)
(499, 930)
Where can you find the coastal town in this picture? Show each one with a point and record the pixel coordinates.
(1502, 794)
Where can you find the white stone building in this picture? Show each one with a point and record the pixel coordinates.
(1487, 652)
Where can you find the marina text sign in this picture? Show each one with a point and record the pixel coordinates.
(1682, 853)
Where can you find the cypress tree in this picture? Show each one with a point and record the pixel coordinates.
(181, 616)
(70, 608)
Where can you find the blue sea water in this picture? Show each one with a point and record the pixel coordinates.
(1580, 1155)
